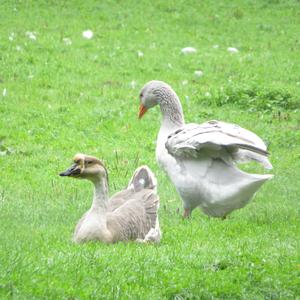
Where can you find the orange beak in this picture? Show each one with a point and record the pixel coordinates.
(142, 111)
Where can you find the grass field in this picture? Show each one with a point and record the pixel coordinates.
(61, 94)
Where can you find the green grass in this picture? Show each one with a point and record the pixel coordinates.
(62, 99)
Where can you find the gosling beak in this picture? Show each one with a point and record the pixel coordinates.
(142, 111)
(72, 171)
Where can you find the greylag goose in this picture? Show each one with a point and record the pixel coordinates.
(201, 159)
(128, 215)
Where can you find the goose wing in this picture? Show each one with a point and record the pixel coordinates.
(135, 217)
(119, 199)
(217, 139)
(143, 178)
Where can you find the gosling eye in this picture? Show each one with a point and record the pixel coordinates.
(89, 162)
(141, 95)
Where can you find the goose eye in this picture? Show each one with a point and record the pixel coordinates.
(141, 95)
(88, 162)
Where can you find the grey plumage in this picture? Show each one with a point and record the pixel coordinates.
(134, 219)
(210, 138)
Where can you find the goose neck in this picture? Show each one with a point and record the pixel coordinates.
(100, 197)
(171, 109)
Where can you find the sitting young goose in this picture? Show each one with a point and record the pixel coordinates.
(201, 159)
(128, 215)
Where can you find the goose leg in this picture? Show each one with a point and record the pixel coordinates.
(187, 213)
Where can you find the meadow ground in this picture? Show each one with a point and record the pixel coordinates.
(62, 94)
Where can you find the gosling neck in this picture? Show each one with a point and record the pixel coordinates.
(171, 109)
(100, 197)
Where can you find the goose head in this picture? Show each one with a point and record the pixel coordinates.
(86, 167)
(158, 92)
(154, 92)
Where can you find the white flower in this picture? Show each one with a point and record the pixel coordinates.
(18, 48)
(88, 34)
(207, 94)
(67, 41)
(215, 46)
(188, 50)
(11, 36)
(140, 54)
(232, 50)
(4, 92)
(170, 66)
(198, 73)
(184, 82)
(31, 35)
(133, 84)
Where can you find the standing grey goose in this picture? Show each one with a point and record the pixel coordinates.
(131, 214)
(201, 159)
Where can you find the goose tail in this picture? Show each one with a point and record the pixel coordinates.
(143, 178)
(244, 156)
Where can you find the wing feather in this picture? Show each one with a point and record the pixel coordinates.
(135, 217)
(217, 139)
